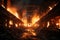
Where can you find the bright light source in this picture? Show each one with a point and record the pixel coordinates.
(3, 6)
(13, 11)
(36, 25)
(16, 25)
(29, 25)
(57, 24)
(33, 33)
(50, 8)
(10, 22)
(48, 24)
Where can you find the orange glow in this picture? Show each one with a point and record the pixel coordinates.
(9, 26)
(36, 25)
(29, 25)
(25, 35)
(25, 22)
(13, 11)
(11, 22)
(29, 30)
(50, 8)
(24, 13)
(48, 24)
(33, 33)
(3, 6)
(16, 25)
(57, 24)
(35, 19)
(24, 18)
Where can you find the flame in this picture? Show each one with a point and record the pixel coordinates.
(24, 20)
(35, 19)
(57, 24)
(13, 11)
(33, 33)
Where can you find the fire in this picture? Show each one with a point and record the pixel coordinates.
(57, 24)
(24, 20)
(10, 23)
(29, 25)
(13, 11)
(35, 19)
